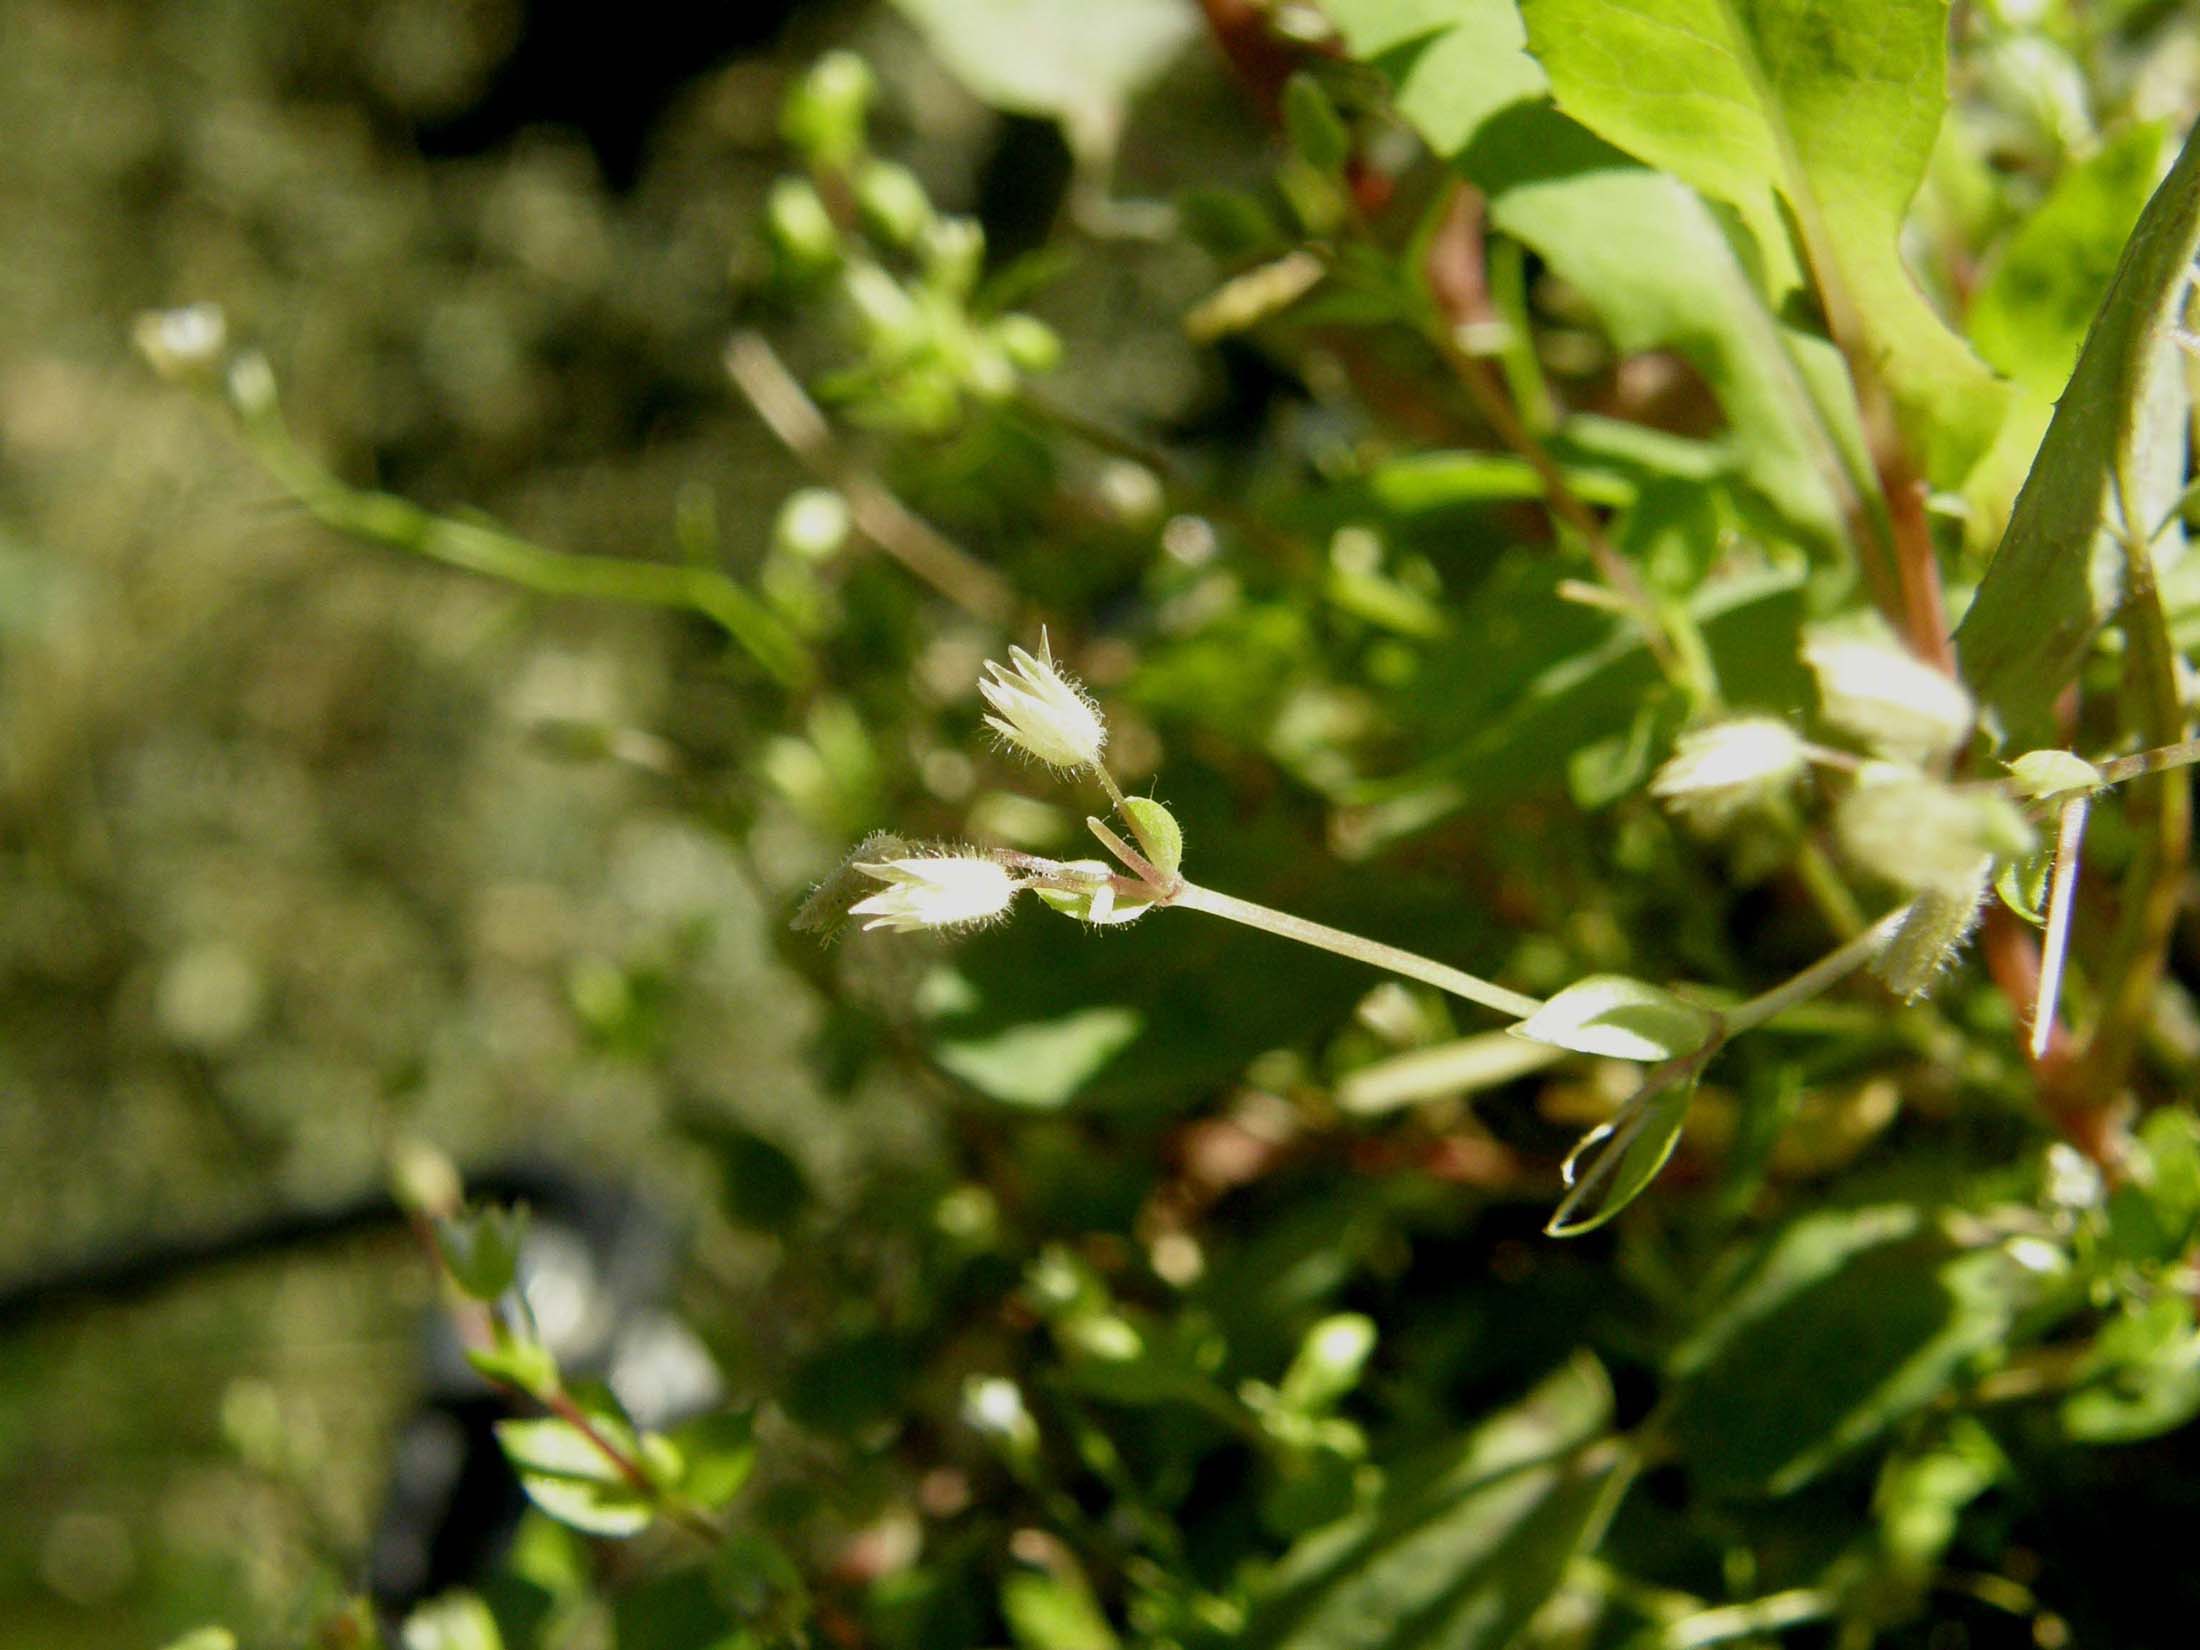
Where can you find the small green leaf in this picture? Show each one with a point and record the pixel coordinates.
(568, 1477)
(2048, 773)
(1313, 125)
(2022, 885)
(481, 1248)
(1159, 835)
(517, 1361)
(1042, 1065)
(1615, 1161)
(2141, 1379)
(1328, 1364)
(456, 1621)
(718, 1451)
(1619, 1018)
(204, 1638)
(1054, 1611)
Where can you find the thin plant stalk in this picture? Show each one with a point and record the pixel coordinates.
(1360, 949)
(2069, 842)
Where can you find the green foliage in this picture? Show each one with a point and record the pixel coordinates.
(1504, 472)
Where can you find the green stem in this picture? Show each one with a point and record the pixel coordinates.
(1360, 949)
(1818, 977)
(383, 518)
(2160, 812)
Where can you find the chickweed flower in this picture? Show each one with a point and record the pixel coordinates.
(942, 891)
(1717, 771)
(1043, 712)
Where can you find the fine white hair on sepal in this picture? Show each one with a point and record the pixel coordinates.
(1932, 935)
(1041, 711)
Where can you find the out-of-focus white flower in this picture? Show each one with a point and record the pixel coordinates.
(1898, 705)
(946, 891)
(182, 344)
(1042, 711)
(1717, 771)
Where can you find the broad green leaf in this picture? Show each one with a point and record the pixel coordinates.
(2059, 574)
(571, 1479)
(1823, 112)
(1462, 1550)
(1850, 1321)
(1657, 267)
(1619, 1018)
(1617, 1160)
(1042, 1065)
(1157, 832)
(2030, 315)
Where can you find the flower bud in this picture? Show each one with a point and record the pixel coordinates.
(944, 891)
(1922, 834)
(1900, 707)
(1042, 712)
(1717, 771)
(182, 345)
(1931, 935)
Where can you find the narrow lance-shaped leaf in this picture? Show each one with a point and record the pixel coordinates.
(2059, 574)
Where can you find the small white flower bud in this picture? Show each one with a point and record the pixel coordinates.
(1899, 706)
(1043, 712)
(1923, 834)
(1717, 771)
(945, 891)
(182, 344)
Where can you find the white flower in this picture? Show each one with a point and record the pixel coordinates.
(1042, 711)
(1716, 771)
(946, 891)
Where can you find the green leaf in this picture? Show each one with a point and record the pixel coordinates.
(204, 1638)
(568, 1477)
(1328, 1364)
(1460, 1549)
(2051, 772)
(1619, 1018)
(2059, 574)
(2029, 316)
(718, 1451)
(1054, 1611)
(1848, 1322)
(1657, 267)
(1819, 112)
(1615, 1161)
(516, 1360)
(480, 1248)
(1042, 1065)
(2022, 885)
(456, 1621)
(1313, 125)
(2142, 1377)
(1158, 833)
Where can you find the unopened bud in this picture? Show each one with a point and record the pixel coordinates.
(1043, 712)
(1717, 771)
(1923, 834)
(183, 345)
(1931, 935)
(1900, 707)
(946, 891)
